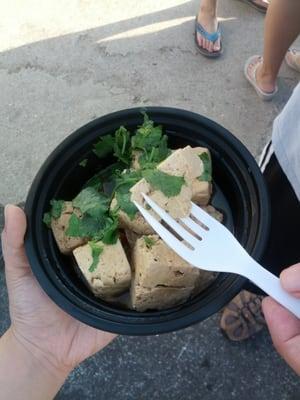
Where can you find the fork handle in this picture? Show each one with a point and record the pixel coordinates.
(270, 284)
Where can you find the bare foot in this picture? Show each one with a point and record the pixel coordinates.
(207, 18)
(264, 81)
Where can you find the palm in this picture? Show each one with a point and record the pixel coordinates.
(50, 328)
(38, 321)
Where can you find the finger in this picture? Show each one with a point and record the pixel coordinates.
(290, 279)
(283, 325)
(16, 263)
(285, 331)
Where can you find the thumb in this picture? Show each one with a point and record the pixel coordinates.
(16, 263)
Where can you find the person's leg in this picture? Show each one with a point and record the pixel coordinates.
(282, 26)
(207, 17)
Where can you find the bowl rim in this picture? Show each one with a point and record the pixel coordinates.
(134, 327)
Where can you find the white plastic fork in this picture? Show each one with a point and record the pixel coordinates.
(214, 248)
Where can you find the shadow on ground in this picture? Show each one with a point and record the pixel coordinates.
(51, 87)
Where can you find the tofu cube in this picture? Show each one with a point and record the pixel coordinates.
(201, 192)
(161, 278)
(158, 298)
(183, 162)
(178, 206)
(112, 276)
(59, 226)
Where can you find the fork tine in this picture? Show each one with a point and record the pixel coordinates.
(194, 227)
(203, 216)
(171, 222)
(167, 236)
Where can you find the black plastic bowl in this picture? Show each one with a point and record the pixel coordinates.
(240, 185)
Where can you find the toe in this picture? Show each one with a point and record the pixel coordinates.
(207, 43)
(252, 65)
(199, 39)
(217, 45)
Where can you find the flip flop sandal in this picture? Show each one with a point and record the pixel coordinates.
(258, 7)
(212, 37)
(251, 78)
(292, 63)
(242, 318)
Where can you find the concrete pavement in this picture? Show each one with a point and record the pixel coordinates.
(63, 63)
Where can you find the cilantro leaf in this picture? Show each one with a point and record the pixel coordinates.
(207, 167)
(147, 135)
(169, 185)
(57, 207)
(149, 242)
(124, 183)
(105, 176)
(126, 205)
(85, 226)
(47, 219)
(119, 145)
(91, 202)
(149, 159)
(122, 145)
(83, 162)
(104, 146)
(97, 249)
(110, 233)
(125, 180)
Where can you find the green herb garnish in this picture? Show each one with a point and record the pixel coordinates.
(122, 146)
(150, 158)
(110, 232)
(96, 221)
(91, 202)
(126, 205)
(124, 183)
(104, 177)
(47, 219)
(207, 168)
(55, 211)
(119, 145)
(83, 162)
(147, 135)
(85, 226)
(149, 242)
(97, 249)
(104, 146)
(169, 185)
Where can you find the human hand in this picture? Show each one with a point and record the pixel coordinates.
(284, 326)
(56, 339)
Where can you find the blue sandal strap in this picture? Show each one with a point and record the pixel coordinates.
(212, 37)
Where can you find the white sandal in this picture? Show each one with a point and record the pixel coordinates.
(251, 78)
